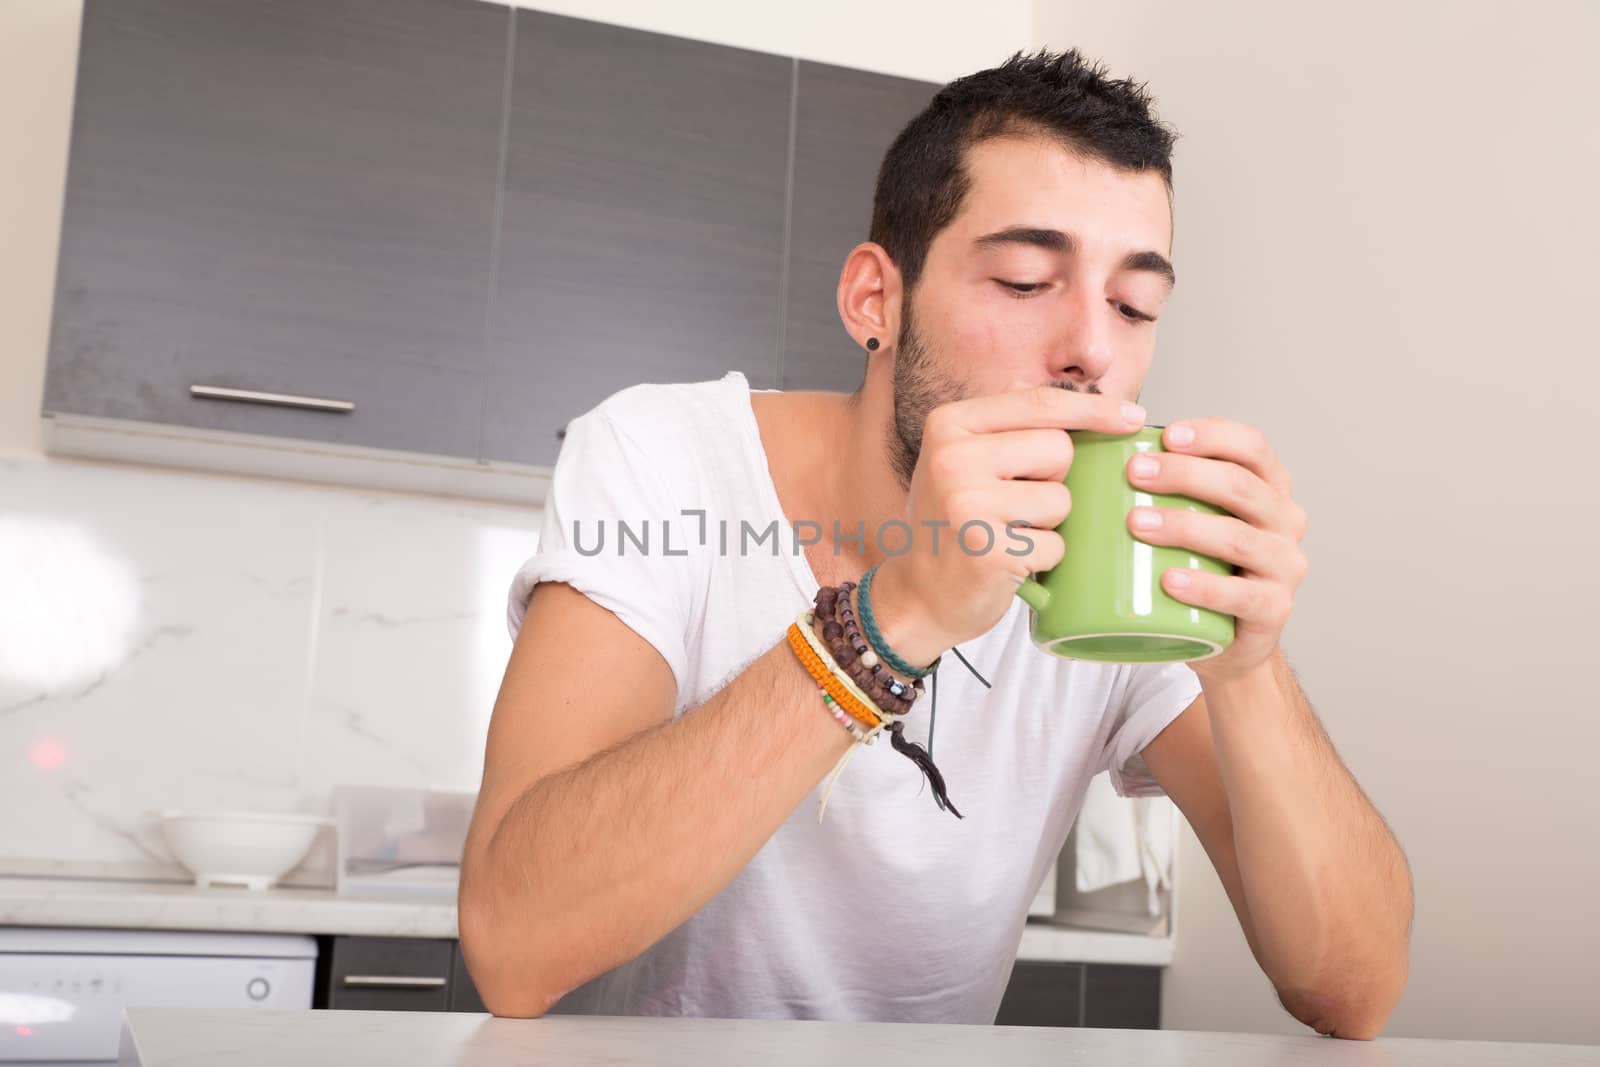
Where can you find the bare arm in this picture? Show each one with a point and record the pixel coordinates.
(1319, 883)
(603, 823)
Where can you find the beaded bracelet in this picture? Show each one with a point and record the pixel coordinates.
(836, 682)
(840, 633)
(875, 636)
(843, 718)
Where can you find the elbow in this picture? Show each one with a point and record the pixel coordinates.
(503, 962)
(516, 1004)
(1352, 969)
(1352, 1000)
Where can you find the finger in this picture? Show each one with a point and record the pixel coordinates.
(1221, 537)
(1237, 490)
(979, 515)
(1043, 455)
(1040, 504)
(1227, 439)
(1252, 601)
(1041, 407)
(1031, 550)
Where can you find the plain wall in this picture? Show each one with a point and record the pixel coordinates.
(38, 62)
(1386, 230)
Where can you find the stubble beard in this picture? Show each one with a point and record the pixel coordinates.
(922, 382)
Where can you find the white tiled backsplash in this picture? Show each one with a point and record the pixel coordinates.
(171, 639)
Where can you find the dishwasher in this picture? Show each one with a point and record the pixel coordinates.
(63, 991)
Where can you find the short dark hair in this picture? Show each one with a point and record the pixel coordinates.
(1060, 95)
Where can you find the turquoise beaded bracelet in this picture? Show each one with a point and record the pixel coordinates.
(869, 625)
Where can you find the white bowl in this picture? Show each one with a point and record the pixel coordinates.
(249, 848)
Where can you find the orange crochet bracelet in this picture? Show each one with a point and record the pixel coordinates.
(828, 681)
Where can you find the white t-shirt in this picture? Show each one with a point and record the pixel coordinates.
(890, 909)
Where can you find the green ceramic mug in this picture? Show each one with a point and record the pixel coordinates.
(1104, 600)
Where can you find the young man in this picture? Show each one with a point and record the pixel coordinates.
(641, 831)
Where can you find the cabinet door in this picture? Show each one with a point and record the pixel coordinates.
(294, 197)
(844, 122)
(463, 994)
(642, 225)
(1043, 994)
(1122, 996)
(389, 974)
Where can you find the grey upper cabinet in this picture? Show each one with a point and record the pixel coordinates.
(642, 223)
(294, 197)
(844, 122)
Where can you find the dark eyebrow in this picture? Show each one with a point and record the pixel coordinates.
(1154, 262)
(1056, 241)
(1052, 240)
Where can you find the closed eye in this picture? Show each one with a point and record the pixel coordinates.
(1022, 290)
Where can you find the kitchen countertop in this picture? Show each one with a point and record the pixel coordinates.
(158, 1037)
(107, 903)
(182, 906)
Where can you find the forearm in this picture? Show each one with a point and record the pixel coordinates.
(1326, 885)
(593, 864)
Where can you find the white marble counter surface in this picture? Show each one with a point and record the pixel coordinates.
(175, 906)
(167, 1037)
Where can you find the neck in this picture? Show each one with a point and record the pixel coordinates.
(848, 479)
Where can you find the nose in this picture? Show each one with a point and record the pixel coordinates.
(1082, 350)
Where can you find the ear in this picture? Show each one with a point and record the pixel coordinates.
(869, 295)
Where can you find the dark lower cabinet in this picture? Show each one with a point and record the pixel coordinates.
(386, 974)
(1043, 994)
(1101, 995)
(1122, 997)
(430, 974)
(463, 994)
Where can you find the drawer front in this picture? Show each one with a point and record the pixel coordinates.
(389, 974)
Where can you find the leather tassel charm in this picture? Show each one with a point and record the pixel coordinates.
(919, 755)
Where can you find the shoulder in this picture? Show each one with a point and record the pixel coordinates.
(655, 414)
(659, 436)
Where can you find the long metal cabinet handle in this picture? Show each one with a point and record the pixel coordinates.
(282, 400)
(393, 981)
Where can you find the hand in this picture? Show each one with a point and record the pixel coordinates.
(1231, 465)
(988, 462)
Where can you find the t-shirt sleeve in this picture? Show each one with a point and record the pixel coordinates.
(1148, 697)
(604, 477)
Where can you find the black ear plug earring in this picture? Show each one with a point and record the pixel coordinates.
(872, 344)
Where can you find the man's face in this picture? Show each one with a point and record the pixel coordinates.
(1086, 244)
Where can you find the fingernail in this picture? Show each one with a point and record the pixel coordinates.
(1144, 467)
(1132, 412)
(1178, 578)
(1146, 518)
(1180, 435)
